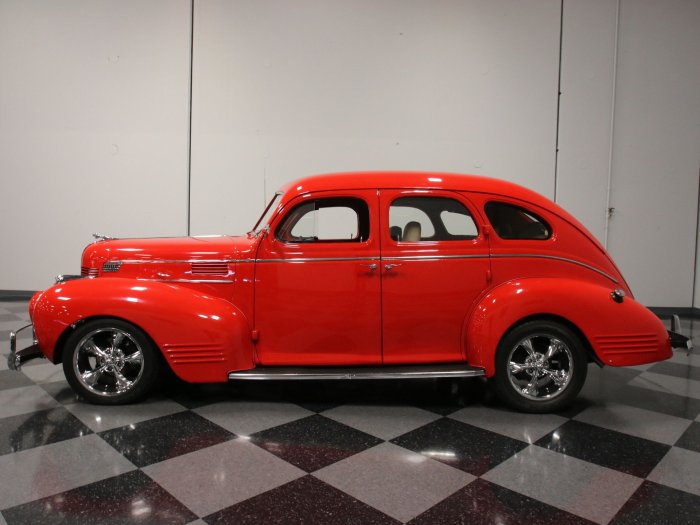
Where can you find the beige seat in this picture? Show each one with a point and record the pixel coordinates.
(411, 233)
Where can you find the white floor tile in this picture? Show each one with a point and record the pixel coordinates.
(385, 422)
(396, 481)
(216, 477)
(47, 470)
(636, 422)
(587, 490)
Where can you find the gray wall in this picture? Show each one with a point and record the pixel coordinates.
(94, 115)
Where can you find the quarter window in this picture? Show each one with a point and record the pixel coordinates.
(513, 222)
(414, 219)
(337, 219)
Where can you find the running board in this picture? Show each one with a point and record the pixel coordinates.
(359, 372)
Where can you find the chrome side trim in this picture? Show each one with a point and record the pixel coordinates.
(317, 259)
(368, 372)
(374, 258)
(181, 261)
(435, 257)
(555, 258)
(196, 281)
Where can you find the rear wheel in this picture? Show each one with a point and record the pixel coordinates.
(540, 367)
(110, 362)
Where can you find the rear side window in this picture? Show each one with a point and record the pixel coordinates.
(513, 222)
(337, 219)
(415, 219)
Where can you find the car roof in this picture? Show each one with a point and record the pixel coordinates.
(428, 180)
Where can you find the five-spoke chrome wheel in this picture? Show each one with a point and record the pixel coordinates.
(540, 366)
(110, 361)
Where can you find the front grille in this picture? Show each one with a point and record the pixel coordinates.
(112, 266)
(209, 268)
(86, 271)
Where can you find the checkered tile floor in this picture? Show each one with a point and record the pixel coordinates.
(440, 452)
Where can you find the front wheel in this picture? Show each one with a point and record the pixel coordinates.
(110, 362)
(540, 367)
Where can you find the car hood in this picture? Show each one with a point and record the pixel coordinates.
(168, 249)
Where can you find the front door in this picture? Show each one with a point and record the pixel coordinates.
(317, 282)
(435, 263)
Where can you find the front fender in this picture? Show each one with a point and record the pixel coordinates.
(202, 337)
(620, 334)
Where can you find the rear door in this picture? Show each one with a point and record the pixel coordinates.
(435, 264)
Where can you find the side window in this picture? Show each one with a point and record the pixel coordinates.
(513, 222)
(336, 219)
(414, 219)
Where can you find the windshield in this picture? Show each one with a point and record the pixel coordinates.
(265, 217)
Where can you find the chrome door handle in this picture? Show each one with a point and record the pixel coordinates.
(371, 266)
(388, 267)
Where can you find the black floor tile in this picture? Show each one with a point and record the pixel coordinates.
(129, 498)
(654, 504)
(463, 446)
(676, 369)
(31, 430)
(13, 379)
(314, 442)
(690, 438)
(629, 454)
(303, 501)
(484, 503)
(165, 437)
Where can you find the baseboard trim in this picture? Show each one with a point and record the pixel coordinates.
(665, 312)
(16, 295)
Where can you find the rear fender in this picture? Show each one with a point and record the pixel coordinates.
(201, 337)
(619, 333)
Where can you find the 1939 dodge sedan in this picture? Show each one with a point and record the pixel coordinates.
(361, 275)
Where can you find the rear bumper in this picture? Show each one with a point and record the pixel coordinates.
(16, 358)
(678, 339)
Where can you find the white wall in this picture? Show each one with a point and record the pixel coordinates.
(285, 89)
(93, 129)
(94, 115)
(656, 149)
(585, 123)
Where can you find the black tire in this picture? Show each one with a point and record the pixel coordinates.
(110, 362)
(527, 379)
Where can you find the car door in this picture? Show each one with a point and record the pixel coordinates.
(317, 282)
(435, 264)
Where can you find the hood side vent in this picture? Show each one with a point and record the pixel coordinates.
(209, 268)
(86, 271)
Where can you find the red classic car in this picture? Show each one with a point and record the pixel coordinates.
(357, 275)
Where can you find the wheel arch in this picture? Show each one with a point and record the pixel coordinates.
(590, 354)
(70, 329)
(584, 307)
(202, 337)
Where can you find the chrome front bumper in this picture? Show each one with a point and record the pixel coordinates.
(16, 358)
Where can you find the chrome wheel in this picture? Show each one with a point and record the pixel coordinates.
(540, 367)
(108, 362)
